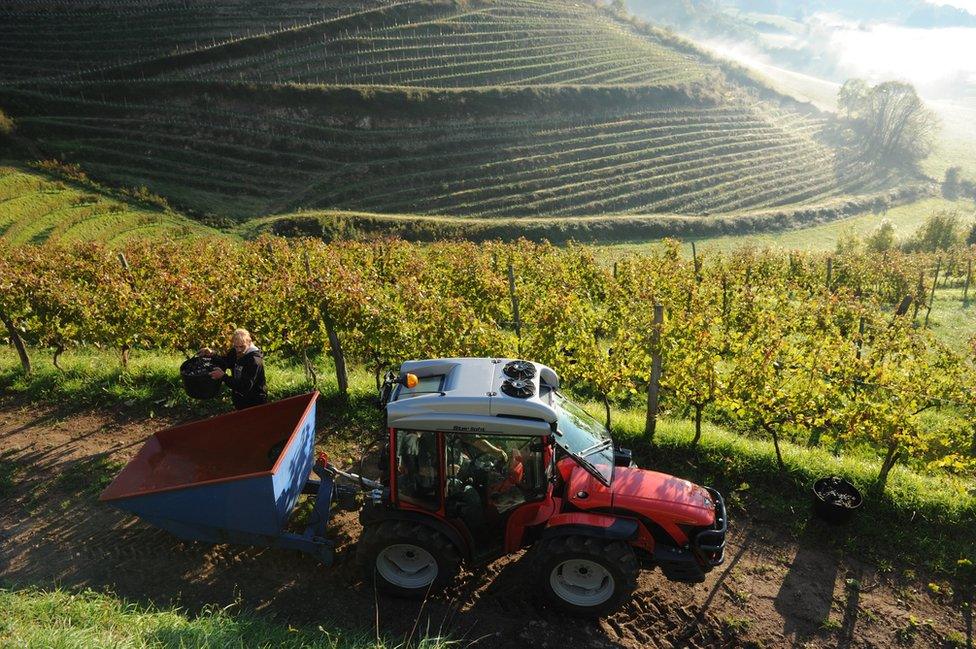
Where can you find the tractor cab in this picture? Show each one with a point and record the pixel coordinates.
(486, 456)
(463, 449)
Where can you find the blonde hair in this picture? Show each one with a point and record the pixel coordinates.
(243, 335)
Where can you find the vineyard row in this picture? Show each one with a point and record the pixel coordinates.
(790, 345)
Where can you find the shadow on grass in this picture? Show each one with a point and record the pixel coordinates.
(896, 525)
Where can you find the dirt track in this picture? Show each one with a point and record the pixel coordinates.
(773, 591)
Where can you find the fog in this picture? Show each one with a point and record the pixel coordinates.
(941, 62)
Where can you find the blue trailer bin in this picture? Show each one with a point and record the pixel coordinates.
(234, 478)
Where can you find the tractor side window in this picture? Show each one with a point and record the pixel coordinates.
(418, 468)
(493, 474)
(426, 385)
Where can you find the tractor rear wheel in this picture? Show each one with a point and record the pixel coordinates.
(584, 575)
(407, 559)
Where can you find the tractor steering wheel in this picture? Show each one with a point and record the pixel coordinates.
(481, 466)
(493, 461)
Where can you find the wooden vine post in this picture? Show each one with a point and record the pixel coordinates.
(969, 279)
(132, 284)
(919, 294)
(860, 337)
(725, 303)
(654, 385)
(935, 283)
(515, 306)
(335, 347)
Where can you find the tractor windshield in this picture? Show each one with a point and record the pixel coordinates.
(584, 438)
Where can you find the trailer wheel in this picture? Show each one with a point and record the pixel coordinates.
(407, 559)
(586, 576)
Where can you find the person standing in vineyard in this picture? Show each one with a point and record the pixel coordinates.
(246, 380)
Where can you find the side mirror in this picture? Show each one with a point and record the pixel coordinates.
(623, 457)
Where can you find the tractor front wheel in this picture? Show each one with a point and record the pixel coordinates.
(407, 559)
(586, 576)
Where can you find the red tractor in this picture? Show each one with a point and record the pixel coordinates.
(486, 457)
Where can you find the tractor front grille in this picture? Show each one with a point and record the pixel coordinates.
(709, 544)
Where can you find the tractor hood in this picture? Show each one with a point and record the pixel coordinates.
(647, 493)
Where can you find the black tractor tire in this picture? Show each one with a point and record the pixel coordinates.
(558, 554)
(381, 540)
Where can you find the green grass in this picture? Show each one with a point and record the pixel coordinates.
(921, 518)
(151, 385)
(803, 87)
(36, 208)
(952, 321)
(956, 144)
(85, 619)
(906, 219)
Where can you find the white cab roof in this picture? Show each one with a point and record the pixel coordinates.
(465, 395)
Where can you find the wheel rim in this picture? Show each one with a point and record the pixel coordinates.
(581, 582)
(407, 566)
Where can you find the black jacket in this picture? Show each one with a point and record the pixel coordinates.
(247, 384)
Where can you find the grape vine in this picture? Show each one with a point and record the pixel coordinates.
(784, 345)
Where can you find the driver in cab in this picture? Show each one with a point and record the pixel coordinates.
(478, 469)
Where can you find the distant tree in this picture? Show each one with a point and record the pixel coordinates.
(897, 126)
(882, 239)
(950, 186)
(940, 231)
(853, 96)
(849, 242)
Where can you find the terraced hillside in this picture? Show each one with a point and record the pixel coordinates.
(685, 159)
(507, 42)
(400, 42)
(450, 108)
(63, 39)
(35, 209)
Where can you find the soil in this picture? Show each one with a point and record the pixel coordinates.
(773, 590)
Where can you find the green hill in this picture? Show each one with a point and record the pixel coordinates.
(489, 109)
(37, 208)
